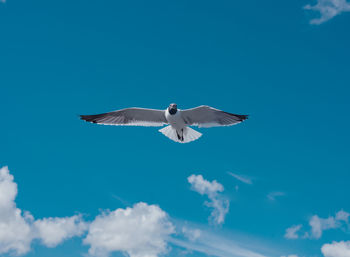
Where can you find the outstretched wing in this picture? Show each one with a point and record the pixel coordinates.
(129, 117)
(206, 116)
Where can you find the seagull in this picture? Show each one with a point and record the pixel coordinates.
(178, 121)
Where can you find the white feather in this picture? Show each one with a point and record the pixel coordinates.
(189, 134)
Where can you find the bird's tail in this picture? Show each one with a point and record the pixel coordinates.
(189, 134)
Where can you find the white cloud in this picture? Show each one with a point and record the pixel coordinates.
(212, 189)
(328, 9)
(292, 232)
(336, 249)
(204, 187)
(140, 231)
(15, 229)
(53, 231)
(18, 229)
(272, 195)
(241, 178)
(318, 225)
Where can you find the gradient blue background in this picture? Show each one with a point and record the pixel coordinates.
(64, 58)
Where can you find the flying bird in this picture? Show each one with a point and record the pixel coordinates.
(179, 121)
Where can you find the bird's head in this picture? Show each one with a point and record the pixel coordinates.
(172, 109)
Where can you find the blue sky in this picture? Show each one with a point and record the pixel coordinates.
(278, 61)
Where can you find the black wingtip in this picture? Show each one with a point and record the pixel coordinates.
(243, 117)
(83, 117)
(239, 116)
(88, 118)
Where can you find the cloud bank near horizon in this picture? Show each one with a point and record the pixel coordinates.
(142, 230)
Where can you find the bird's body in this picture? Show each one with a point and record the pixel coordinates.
(178, 120)
(175, 120)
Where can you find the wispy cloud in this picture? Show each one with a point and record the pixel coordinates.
(214, 244)
(191, 233)
(273, 195)
(328, 9)
(292, 232)
(241, 178)
(318, 225)
(121, 200)
(342, 216)
(212, 189)
(216, 248)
